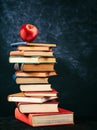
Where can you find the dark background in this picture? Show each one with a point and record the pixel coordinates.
(72, 25)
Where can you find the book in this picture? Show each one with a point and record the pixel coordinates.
(41, 44)
(31, 53)
(33, 44)
(50, 106)
(35, 74)
(20, 97)
(17, 44)
(35, 87)
(33, 48)
(30, 80)
(31, 59)
(34, 67)
(41, 93)
(62, 117)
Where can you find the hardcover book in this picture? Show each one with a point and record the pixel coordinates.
(35, 87)
(35, 74)
(34, 48)
(41, 93)
(41, 44)
(20, 97)
(31, 80)
(34, 67)
(50, 106)
(31, 53)
(33, 44)
(31, 59)
(62, 117)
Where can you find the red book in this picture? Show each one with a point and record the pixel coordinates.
(62, 117)
(41, 93)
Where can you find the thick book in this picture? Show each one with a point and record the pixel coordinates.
(34, 67)
(50, 106)
(31, 59)
(35, 87)
(31, 80)
(62, 117)
(35, 74)
(20, 97)
(31, 53)
(41, 93)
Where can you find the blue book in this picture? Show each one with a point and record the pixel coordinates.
(14, 77)
(17, 44)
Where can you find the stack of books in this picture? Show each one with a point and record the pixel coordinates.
(36, 103)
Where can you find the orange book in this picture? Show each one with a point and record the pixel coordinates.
(62, 117)
(31, 53)
(34, 48)
(31, 80)
(35, 74)
(34, 67)
(50, 106)
(41, 44)
(41, 93)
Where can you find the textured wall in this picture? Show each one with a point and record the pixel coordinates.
(72, 25)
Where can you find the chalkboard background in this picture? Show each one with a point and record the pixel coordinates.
(72, 25)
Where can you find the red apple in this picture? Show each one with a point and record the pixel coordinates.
(28, 32)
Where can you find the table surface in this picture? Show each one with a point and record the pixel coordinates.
(10, 123)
